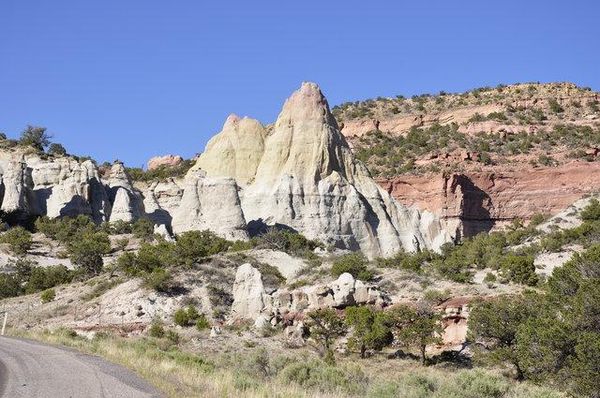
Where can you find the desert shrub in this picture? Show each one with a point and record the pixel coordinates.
(285, 240)
(194, 245)
(158, 279)
(35, 137)
(87, 251)
(18, 239)
(519, 269)
(10, 286)
(143, 229)
(65, 229)
(160, 173)
(354, 264)
(202, 323)
(325, 325)
(118, 227)
(43, 278)
(47, 295)
(555, 106)
(316, 375)
(370, 329)
(186, 316)
(537, 219)
(474, 384)
(416, 327)
(592, 211)
(57, 150)
(156, 329)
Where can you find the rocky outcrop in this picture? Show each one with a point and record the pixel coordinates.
(210, 203)
(479, 201)
(125, 200)
(249, 296)
(251, 300)
(236, 151)
(166, 160)
(305, 177)
(54, 187)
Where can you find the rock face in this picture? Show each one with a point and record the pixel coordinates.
(479, 201)
(251, 301)
(126, 202)
(59, 187)
(249, 297)
(298, 173)
(303, 175)
(167, 160)
(210, 203)
(236, 151)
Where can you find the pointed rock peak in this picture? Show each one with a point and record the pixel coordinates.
(231, 119)
(307, 104)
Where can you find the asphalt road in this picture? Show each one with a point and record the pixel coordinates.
(30, 369)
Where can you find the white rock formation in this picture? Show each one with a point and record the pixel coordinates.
(236, 151)
(210, 203)
(249, 297)
(125, 200)
(306, 178)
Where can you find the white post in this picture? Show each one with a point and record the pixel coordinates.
(4, 323)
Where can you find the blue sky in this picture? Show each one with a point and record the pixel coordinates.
(127, 80)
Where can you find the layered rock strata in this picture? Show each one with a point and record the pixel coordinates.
(302, 175)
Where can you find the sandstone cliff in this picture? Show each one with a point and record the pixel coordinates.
(305, 177)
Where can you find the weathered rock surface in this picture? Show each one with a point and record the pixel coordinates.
(166, 160)
(236, 151)
(53, 187)
(479, 201)
(210, 203)
(251, 301)
(305, 177)
(249, 296)
(126, 203)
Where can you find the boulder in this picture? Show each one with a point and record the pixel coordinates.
(249, 297)
(166, 160)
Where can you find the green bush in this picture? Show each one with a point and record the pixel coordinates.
(48, 295)
(35, 137)
(194, 245)
(43, 278)
(157, 329)
(18, 239)
(287, 241)
(57, 150)
(592, 211)
(316, 375)
(186, 316)
(202, 323)
(519, 269)
(143, 229)
(160, 280)
(354, 264)
(87, 250)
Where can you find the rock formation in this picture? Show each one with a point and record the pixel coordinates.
(298, 173)
(125, 201)
(210, 203)
(57, 187)
(167, 160)
(304, 176)
(252, 302)
(479, 201)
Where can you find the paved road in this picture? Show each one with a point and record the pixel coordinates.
(34, 370)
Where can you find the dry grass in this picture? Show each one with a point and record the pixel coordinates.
(260, 374)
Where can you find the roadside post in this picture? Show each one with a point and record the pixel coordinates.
(4, 323)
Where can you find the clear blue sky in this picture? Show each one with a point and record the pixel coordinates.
(130, 79)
